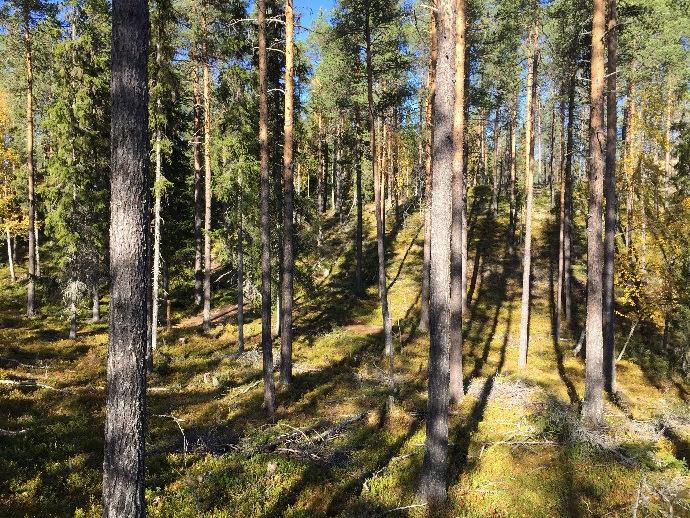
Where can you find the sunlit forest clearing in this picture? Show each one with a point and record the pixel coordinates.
(359, 258)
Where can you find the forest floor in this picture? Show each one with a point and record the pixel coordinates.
(517, 448)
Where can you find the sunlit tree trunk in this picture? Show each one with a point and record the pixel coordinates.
(288, 189)
(593, 405)
(156, 221)
(240, 268)
(529, 180)
(496, 179)
(10, 260)
(359, 281)
(28, 60)
(568, 227)
(198, 188)
(207, 184)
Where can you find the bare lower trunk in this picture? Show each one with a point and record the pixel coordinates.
(496, 180)
(125, 421)
(611, 216)
(10, 259)
(95, 304)
(72, 320)
(433, 483)
(240, 274)
(266, 341)
(456, 391)
(593, 406)
(529, 179)
(513, 176)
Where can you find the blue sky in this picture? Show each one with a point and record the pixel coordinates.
(308, 10)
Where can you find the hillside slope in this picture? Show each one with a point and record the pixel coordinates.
(516, 446)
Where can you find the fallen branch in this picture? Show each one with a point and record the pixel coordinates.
(28, 383)
(12, 433)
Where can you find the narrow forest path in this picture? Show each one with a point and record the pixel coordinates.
(516, 446)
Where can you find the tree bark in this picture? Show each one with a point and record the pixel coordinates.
(156, 220)
(378, 202)
(240, 269)
(513, 174)
(198, 189)
(359, 281)
(95, 303)
(433, 483)
(568, 228)
(123, 464)
(611, 215)
(28, 59)
(266, 341)
(288, 188)
(207, 185)
(10, 260)
(456, 391)
(431, 87)
(496, 180)
(593, 406)
(561, 227)
(529, 195)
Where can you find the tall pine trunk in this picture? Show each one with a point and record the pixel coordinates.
(593, 406)
(240, 268)
(198, 188)
(433, 483)
(568, 227)
(359, 280)
(378, 202)
(496, 179)
(529, 195)
(431, 87)
(123, 464)
(458, 207)
(561, 226)
(156, 220)
(266, 345)
(288, 188)
(32, 253)
(611, 216)
(207, 185)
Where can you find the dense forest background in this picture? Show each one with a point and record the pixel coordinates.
(290, 228)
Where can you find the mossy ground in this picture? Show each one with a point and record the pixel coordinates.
(515, 448)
